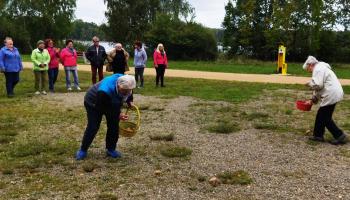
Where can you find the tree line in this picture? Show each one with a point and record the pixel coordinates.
(255, 28)
(170, 22)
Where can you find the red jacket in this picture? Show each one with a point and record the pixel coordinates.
(158, 59)
(54, 63)
(68, 58)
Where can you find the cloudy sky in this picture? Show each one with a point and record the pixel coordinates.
(208, 12)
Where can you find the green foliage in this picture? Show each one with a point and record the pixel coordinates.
(28, 21)
(188, 41)
(238, 177)
(175, 151)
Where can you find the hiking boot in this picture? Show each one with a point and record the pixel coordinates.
(114, 153)
(316, 139)
(81, 155)
(341, 140)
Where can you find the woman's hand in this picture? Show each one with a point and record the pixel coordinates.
(156, 66)
(309, 102)
(123, 117)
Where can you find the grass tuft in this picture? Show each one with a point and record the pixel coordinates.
(175, 151)
(162, 137)
(224, 127)
(106, 196)
(238, 177)
(89, 166)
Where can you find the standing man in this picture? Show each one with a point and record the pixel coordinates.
(106, 98)
(329, 91)
(96, 54)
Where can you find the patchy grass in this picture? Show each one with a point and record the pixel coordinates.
(224, 127)
(266, 126)
(175, 151)
(162, 137)
(106, 196)
(237, 177)
(345, 152)
(89, 166)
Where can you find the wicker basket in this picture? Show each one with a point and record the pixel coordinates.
(129, 128)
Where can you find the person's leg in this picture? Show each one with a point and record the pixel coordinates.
(157, 76)
(43, 81)
(94, 120)
(9, 81)
(137, 75)
(100, 73)
(55, 75)
(76, 79)
(68, 83)
(320, 122)
(330, 124)
(162, 75)
(50, 74)
(37, 80)
(15, 79)
(112, 131)
(93, 74)
(141, 76)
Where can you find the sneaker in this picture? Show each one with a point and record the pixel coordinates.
(37, 93)
(81, 155)
(341, 140)
(44, 93)
(69, 89)
(78, 88)
(114, 153)
(10, 95)
(316, 139)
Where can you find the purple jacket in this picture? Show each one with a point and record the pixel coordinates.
(10, 61)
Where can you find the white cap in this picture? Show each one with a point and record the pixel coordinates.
(126, 82)
(309, 60)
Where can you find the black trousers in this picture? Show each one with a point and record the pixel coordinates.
(118, 70)
(324, 120)
(160, 74)
(12, 78)
(139, 74)
(94, 120)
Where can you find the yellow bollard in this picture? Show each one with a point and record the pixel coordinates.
(281, 63)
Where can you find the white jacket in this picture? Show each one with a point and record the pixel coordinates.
(326, 85)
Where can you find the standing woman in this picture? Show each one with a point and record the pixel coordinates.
(140, 59)
(54, 63)
(10, 65)
(40, 58)
(160, 63)
(118, 59)
(69, 60)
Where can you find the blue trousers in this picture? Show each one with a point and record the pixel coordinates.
(75, 76)
(94, 121)
(12, 78)
(52, 73)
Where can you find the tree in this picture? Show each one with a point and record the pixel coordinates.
(86, 30)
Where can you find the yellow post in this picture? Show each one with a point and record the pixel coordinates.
(281, 63)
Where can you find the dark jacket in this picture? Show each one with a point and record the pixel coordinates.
(96, 60)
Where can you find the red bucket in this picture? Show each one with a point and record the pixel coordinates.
(303, 105)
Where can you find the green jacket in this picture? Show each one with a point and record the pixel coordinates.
(40, 58)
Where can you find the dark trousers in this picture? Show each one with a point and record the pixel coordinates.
(12, 78)
(94, 121)
(324, 120)
(160, 74)
(52, 73)
(139, 74)
(94, 71)
(118, 70)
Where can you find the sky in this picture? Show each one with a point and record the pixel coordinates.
(210, 13)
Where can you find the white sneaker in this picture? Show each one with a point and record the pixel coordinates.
(37, 93)
(69, 89)
(44, 93)
(78, 88)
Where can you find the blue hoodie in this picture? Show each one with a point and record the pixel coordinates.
(10, 61)
(140, 58)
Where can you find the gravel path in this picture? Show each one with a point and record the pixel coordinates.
(259, 78)
(282, 168)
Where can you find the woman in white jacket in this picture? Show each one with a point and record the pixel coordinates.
(329, 91)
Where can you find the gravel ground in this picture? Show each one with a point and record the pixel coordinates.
(283, 166)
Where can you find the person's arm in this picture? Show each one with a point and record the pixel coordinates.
(144, 54)
(166, 60)
(317, 81)
(155, 59)
(47, 57)
(20, 62)
(34, 58)
(2, 64)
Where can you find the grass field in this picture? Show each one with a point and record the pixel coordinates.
(239, 66)
(248, 134)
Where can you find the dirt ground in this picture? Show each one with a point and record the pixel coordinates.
(282, 164)
(259, 78)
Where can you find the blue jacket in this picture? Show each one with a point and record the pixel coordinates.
(104, 97)
(10, 61)
(140, 58)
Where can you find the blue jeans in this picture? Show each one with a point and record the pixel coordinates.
(53, 73)
(94, 121)
(12, 78)
(75, 76)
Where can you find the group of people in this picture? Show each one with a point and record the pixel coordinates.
(46, 59)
